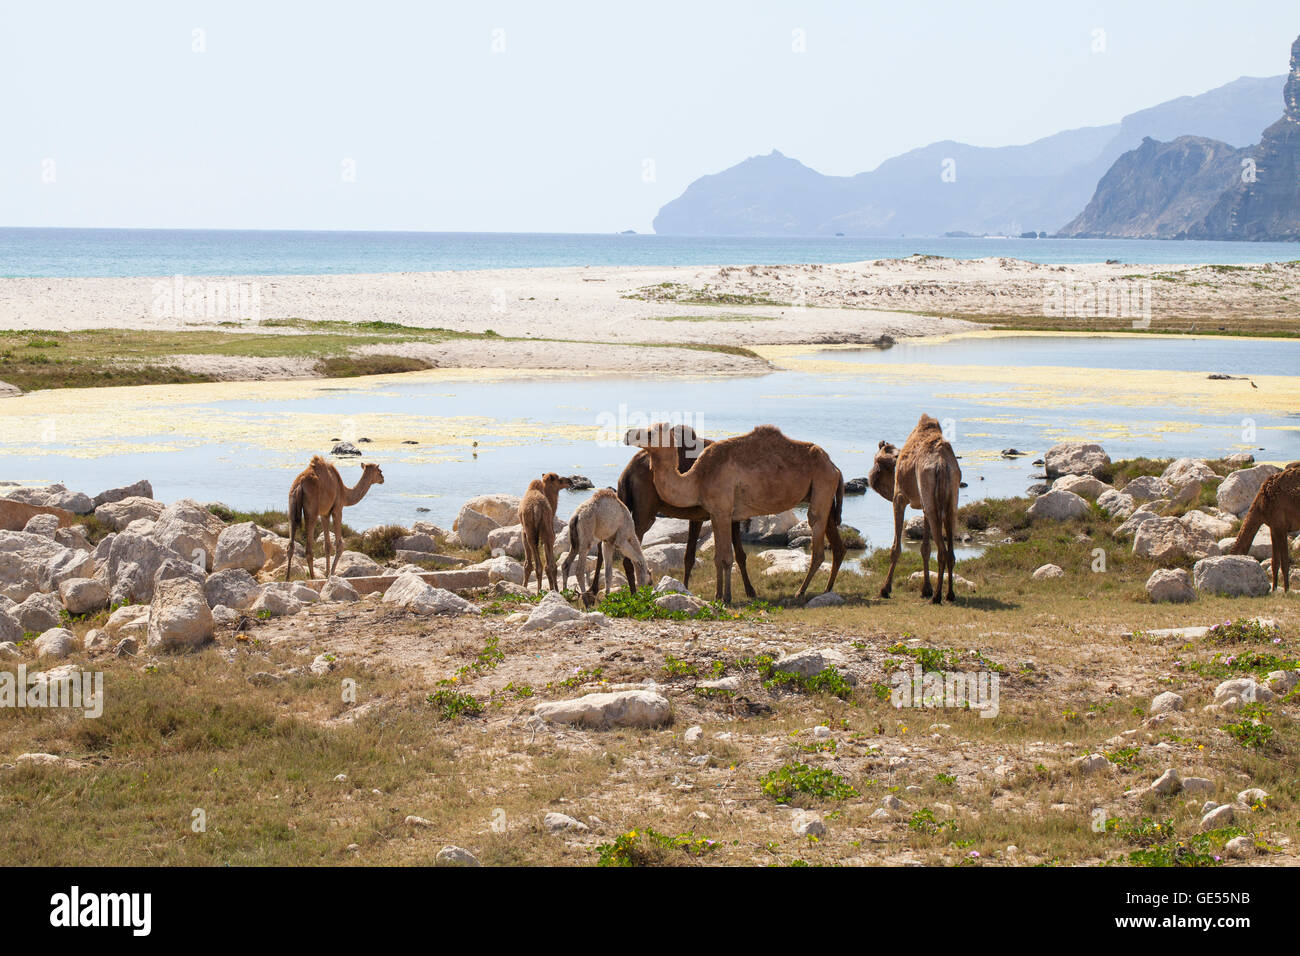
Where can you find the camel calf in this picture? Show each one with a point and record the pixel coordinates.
(604, 518)
(537, 515)
(925, 475)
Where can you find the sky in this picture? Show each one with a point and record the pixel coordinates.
(550, 117)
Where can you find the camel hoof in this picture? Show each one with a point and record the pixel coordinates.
(884, 592)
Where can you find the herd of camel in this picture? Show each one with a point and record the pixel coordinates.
(678, 474)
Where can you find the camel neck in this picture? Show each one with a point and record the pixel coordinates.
(358, 491)
(679, 489)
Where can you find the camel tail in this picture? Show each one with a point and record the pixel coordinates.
(1249, 525)
(837, 506)
(297, 516)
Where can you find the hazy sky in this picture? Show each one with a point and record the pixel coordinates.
(549, 116)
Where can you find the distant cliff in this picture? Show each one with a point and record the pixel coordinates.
(1000, 190)
(1265, 205)
(1160, 190)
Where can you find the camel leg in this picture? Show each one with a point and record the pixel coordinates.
(631, 549)
(607, 549)
(325, 540)
(338, 541)
(528, 560)
(950, 520)
(739, 548)
(1286, 560)
(818, 524)
(1278, 548)
(548, 543)
(692, 542)
(595, 575)
(926, 591)
(309, 529)
(899, 506)
(722, 558)
(837, 552)
(582, 547)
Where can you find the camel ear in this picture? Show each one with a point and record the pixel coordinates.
(882, 443)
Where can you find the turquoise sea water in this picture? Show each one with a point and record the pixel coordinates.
(162, 252)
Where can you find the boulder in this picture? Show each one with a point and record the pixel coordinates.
(354, 564)
(1238, 490)
(119, 513)
(420, 541)
(825, 599)
(1148, 488)
(241, 546)
(141, 489)
(338, 589)
(1168, 539)
(505, 568)
(507, 540)
(147, 554)
(43, 525)
(671, 531)
(1058, 506)
(179, 616)
(1085, 486)
(26, 562)
(190, 529)
(1170, 585)
(472, 528)
(500, 509)
(274, 600)
(56, 642)
(1183, 471)
(129, 621)
(54, 496)
(769, 529)
(665, 559)
(38, 612)
(413, 593)
(1261, 549)
(11, 631)
(678, 602)
(1212, 526)
(917, 580)
(233, 587)
(1167, 703)
(1076, 458)
(1231, 575)
(786, 561)
(1139, 516)
(811, 662)
(1246, 690)
(629, 708)
(551, 610)
(64, 565)
(83, 595)
(1047, 572)
(73, 538)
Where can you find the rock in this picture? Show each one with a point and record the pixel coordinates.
(1168, 539)
(27, 562)
(223, 616)
(190, 529)
(1261, 548)
(146, 554)
(141, 489)
(1170, 585)
(1218, 817)
(118, 514)
(1209, 525)
(233, 587)
(1076, 458)
(1085, 486)
(131, 620)
(693, 734)
(1167, 783)
(1252, 797)
(892, 803)
(769, 529)
(43, 525)
(455, 856)
(472, 528)
(354, 564)
(1231, 575)
(275, 601)
(338, 589)
(321, 665)
(1047, 572)
(126, 647)
(670, 531)
(54, 496)
(413, 593)
(173, 568)
(56, 642)
(631, 708)
(679, 603)
(505, 568)
(1167, 703)
(1281, 682)
(825, 599)
(179, 616)
(241, 546)
(73, 538)
(669, 585)
(1148, 488)
(1245, 689)
(420, 541)
(811, 662)
(83, 595)
(1194, 785)
(1184, 470)
(1093, 763)
(9, 651)
(730, 684)
(807, 824)
(560, 823)
(914, 527)
(507, 540)
(1134, 521)
(665, 559)
(580, 483)
(1240, 847)
(785, 561)
(38, 613)
(345, 449)
(855, 486)
(1238, 490)
(551, 610)
(1058, 506)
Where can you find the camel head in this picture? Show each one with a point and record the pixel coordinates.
(659, 435)
(881, 477)
(552, 483)
(372, 472)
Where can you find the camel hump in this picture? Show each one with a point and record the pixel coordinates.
(605, 493)
(767, 430)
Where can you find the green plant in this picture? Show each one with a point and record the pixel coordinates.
(784, 783)
(452, 704)
(649, 847)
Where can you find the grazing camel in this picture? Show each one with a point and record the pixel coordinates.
(636, 489)
(759, 473)
(925, 475)
(319, 492)
(14, 515)
(1276, 504)
(537, 515)
(604, 518)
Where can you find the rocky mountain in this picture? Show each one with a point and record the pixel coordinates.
(1160, 190)
(1265, 205)
(949, 186)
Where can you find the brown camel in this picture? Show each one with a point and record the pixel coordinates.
(14, 515)
(537, 515)
(925, 475)
(319, 492)
(605, 519)
(1276, 504)
(636, 489)
(759, 473)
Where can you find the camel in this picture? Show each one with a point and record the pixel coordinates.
(537, 515)
(319, 492)
(759, 473)
(14, 515)
(604, 518)
(1276, 504)
(925, 475)
(636, 489)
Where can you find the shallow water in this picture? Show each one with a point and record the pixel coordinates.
(242, 443)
